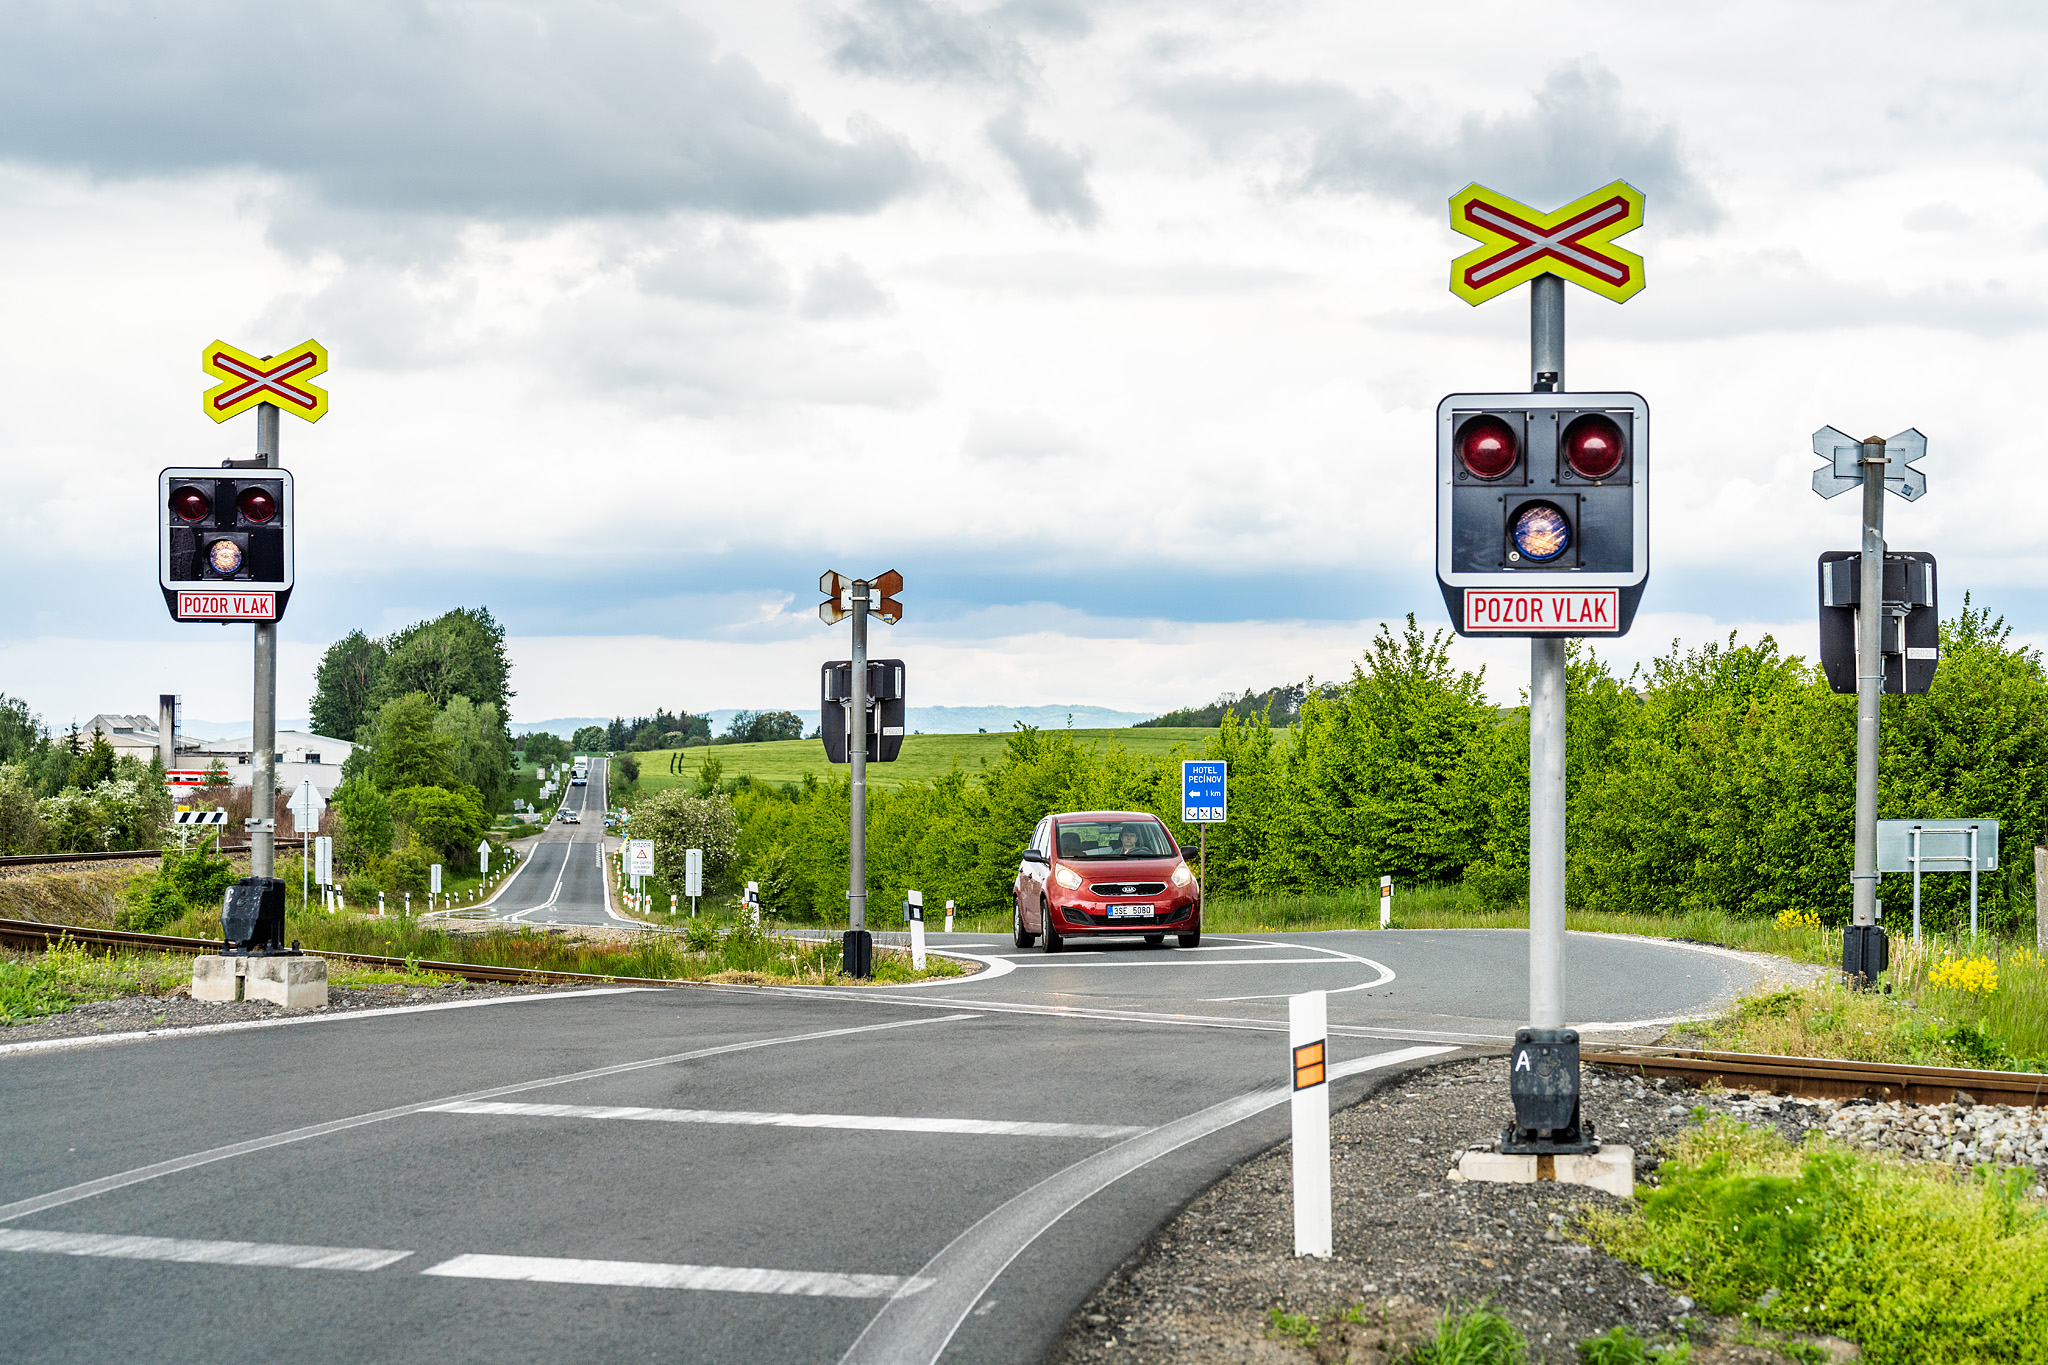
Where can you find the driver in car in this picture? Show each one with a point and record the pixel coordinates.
(1127, 843)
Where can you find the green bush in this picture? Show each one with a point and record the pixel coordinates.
(31, 988)
(1474, 1335)
(1909, 1260)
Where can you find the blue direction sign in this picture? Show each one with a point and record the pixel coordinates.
(1203, 791)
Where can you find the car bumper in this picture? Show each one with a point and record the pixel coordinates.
(1093, 916)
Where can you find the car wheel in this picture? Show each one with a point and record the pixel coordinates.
(1154, 940)
(1017, 934)
(1193, 939)
(1053, 941)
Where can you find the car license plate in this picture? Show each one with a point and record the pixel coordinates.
(1131, 911)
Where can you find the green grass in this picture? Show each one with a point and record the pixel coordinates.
(1950, 1003)
(729, 955)
(1913, 1262)
(1453, 907)
(923, 758)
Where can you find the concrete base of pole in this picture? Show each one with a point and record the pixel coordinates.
(1611, 1170)
(294, 983)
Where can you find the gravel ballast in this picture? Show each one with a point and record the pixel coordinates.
(1409, 1241)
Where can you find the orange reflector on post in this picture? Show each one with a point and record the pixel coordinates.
(1308, 1065)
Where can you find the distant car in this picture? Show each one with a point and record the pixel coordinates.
(572, 817)
(1104, 872)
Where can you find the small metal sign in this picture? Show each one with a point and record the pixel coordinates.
(693, 872)
(1922, 846)
(1204, 791)
(640, 857)
(1937, 845)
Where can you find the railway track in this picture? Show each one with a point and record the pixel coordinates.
(1821, 1077)
(31, 934)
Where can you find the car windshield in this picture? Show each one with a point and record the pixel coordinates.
(1115, 839)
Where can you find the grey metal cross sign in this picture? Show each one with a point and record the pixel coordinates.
(1844, 470)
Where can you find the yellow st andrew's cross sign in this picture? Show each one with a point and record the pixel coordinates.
(246, 380)
(1519, 243)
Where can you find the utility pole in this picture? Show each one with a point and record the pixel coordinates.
(263, 762)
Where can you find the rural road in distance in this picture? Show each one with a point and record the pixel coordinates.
(711, 1173)
(562, 880)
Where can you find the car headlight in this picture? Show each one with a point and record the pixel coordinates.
(1183, 877)
(1067, 877)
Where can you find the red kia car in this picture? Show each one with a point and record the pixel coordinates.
(1105, 872)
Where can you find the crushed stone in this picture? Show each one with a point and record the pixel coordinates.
(1408, 1242)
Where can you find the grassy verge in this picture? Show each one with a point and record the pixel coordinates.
(1915, 1263)
(1948, 1004)
(51, 981)
(1453, 907)
(923, 758)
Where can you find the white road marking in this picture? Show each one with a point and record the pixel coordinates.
(915, 1330)
(21, 1208)
(1059, 960)
(341, 1016)
(197, 1252)
(871, 1122)
(654, 1275)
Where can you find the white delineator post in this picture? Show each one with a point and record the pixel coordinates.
(1386, 902)
(949, 917)
(1308, 1031)
(913, 913)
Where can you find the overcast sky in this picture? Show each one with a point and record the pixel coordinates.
(1118, 328)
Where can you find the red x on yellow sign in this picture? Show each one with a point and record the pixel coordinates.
(246, 380)
(1519, 243)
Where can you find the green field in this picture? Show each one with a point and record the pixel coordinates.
(924, 757)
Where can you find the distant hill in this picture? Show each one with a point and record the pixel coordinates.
(928, 720)
(1285, 700)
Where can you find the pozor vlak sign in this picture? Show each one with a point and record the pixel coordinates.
(1543, 511)
(224, 543)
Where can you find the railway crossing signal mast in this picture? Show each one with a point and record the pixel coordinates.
(1543, 530)
(866, 694)
(224, 540)
(1896, 646)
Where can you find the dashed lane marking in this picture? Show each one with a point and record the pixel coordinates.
(22, 1208)
(192, 1251)
(866, 1122)
(655, 1275)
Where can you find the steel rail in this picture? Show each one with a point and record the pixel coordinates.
(33, 933)
(1824, 1077)
(130, 854)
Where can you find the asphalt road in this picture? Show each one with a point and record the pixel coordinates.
(562, 879)
(880, 1175)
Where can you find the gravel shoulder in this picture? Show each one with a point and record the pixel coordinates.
(1409, 1242)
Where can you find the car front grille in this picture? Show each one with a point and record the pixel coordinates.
(1127, 888)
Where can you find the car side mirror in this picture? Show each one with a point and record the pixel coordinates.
(1032, 855)
(1188, 850)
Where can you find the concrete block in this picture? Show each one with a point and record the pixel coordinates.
(297, 983)
(1499, 1167)
(217, 978)
(1611, 1170)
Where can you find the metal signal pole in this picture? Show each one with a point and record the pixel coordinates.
(263, 762)
(857, 752)
(1546, 719)
(1869, 682)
